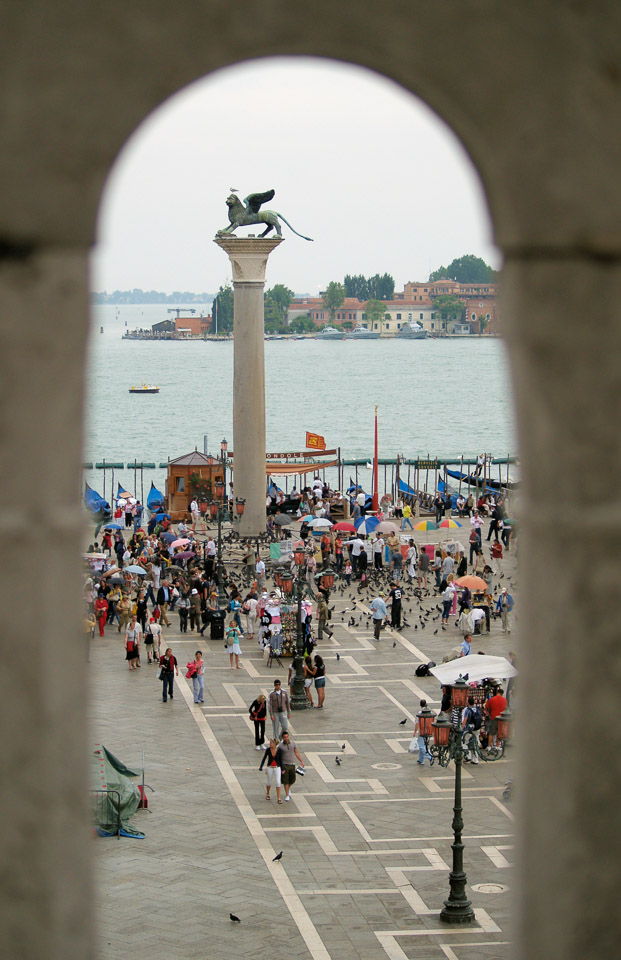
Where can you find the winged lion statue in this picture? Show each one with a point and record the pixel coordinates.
(249, 212)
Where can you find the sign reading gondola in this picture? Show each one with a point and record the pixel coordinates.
(426, 464)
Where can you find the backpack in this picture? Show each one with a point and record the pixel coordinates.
(475, 718)
(424, 669)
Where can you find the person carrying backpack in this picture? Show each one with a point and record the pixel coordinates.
(472, 720)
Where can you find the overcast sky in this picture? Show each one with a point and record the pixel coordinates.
(359, 164)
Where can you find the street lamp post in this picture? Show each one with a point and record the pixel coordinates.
(448, 745)
(219, 511)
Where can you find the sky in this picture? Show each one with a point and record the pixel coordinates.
(359, 164)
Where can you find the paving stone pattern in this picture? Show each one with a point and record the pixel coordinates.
(366, 845)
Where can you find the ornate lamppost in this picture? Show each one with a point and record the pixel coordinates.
(448, 744)
(219, 511)
(284, 579)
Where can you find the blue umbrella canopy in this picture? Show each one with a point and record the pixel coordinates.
(366, 524)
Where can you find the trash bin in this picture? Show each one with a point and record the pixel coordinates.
(217, 624)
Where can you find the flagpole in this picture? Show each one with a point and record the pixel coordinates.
(375, 470)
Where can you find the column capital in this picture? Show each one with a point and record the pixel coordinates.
(248, 256)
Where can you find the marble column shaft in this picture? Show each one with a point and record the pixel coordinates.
(248, 256)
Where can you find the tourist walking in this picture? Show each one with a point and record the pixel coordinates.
(323, 615)
(279, 709)
(259, 570)
(309, 676)
(395, 596)
(273, 770)
(198, 677)
(168, 668)
(288, 753)
(320, 681)
(133, 635)
(379, 613)
(411, 561)
(163, 599)
(504, 606)
(258, 715)
(183, 609)
(233, 647)
(423, 568)
(407, 517)
(378, 553)
(101, 612)
(250, 609)
(448, 598)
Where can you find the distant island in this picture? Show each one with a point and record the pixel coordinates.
(150, 296)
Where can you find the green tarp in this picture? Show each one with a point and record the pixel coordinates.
(115, 797)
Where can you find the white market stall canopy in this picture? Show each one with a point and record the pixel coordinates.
(478, 667)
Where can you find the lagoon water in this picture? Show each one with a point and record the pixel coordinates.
(436, 397)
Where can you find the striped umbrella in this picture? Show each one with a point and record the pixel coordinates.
(425, 525)
(450, 524)
(366, 525)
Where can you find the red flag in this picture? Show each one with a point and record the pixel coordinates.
(315, 442)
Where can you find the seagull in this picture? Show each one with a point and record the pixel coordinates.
(403, 722)
(277, 857)
(234, 918)
(234, 189)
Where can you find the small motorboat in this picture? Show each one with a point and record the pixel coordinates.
(144, 388)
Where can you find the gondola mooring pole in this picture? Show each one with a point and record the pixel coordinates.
(461, 471)
(104, 487)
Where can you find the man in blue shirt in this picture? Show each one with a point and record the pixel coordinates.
(466, 647)
(379, 611)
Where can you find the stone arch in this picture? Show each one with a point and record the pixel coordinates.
(548, 146)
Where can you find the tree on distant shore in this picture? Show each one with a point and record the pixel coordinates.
(374, 312)
(466, 269)
(449, 307)
(304, 324)
(222, 310)
(277, 302)
(333, 297)
(371, 288)
(138, 296)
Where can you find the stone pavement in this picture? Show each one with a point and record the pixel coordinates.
(366, 845)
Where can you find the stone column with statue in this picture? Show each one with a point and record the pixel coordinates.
(248, 256)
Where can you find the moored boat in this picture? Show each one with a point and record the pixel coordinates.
(95, 503)
(361, 333)
(330, 333)
(412, 331)
(155, 500)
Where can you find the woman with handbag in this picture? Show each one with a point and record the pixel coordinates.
(168, 668)
(198, 677)
(258, 714)
(273, 771)
(232, 644)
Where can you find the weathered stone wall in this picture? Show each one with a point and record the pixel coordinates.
(536, 102)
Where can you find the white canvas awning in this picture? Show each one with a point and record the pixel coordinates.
(477, 666)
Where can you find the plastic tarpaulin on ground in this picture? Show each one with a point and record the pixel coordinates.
(121, 803)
